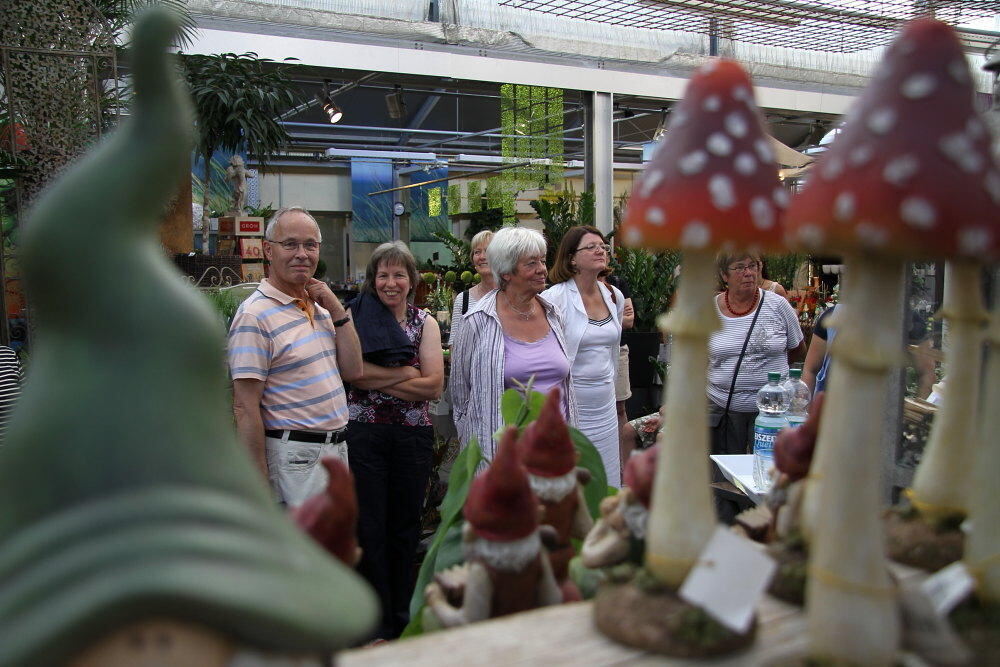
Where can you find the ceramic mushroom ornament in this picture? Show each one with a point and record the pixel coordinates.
(909, 177)
(982, 551)
(713, 183)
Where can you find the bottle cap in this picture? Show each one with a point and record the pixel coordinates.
(774, 377)
(795, 373)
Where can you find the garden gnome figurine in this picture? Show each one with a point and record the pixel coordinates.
(550, 458)
(331, 517)
(147, 519)
(506, 568)
(619, 535)
(236, 174)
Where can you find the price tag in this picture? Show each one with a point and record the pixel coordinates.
(728, 579)
(948, 586)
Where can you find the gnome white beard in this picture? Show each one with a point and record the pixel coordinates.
(553, 489)
(636, 516)
(509, 556)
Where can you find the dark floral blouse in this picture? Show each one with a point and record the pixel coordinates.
(371, 406)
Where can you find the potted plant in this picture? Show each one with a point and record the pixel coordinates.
(231, 114)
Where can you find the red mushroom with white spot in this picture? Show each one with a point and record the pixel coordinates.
(909, 177)
(712, 185)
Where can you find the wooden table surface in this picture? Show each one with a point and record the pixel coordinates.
(565, 634)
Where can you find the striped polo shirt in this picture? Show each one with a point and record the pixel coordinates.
(273, 339)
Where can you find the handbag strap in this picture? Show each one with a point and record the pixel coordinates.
(739, 361)
(465, 302)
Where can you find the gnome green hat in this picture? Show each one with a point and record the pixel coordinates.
(124, 492)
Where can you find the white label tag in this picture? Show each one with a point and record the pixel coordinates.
(728, 579)
(949, 586)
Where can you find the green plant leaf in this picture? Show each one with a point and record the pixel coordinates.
(511, 405)
(597, 488)
(462, 473)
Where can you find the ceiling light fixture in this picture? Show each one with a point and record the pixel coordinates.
(395, 103)
(332, 110)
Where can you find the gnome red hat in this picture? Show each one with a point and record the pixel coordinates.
(546, 449)
(639, 473)
(501, 505)
(331, 517)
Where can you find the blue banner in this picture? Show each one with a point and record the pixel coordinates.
(428, 204)
(371, 217)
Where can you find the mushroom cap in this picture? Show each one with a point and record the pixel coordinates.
(714, 181)
(501, 505)
(912, 174)
(546, 448)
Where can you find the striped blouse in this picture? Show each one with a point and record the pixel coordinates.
(477, 373)
(10, 385)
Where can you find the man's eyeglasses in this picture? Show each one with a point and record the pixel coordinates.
(292, 246)
(740, 268)
(594, 247)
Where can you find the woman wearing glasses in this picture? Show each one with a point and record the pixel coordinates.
(760, 334)
(509, 337)
(592, 314)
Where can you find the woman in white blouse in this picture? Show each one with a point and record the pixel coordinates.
(592, 316)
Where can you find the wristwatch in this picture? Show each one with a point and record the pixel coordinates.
(343, 321)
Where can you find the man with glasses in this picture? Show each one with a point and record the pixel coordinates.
(291, 347)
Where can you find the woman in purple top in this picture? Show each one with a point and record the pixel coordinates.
(510, 337)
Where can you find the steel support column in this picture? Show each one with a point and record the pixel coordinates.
(599, 155)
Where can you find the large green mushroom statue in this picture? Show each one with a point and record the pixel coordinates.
(134, 526)
(712, 184)
(909, 177)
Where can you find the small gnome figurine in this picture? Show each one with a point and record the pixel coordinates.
(550, 459)
(793, 453)
(619, 535)
(331, 517)
(506, 569)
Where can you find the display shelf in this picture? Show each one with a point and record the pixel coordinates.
(565, 634)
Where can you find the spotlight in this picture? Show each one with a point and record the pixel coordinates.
(395, 104)
(333, 112)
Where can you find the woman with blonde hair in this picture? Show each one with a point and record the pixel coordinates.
(487, 283)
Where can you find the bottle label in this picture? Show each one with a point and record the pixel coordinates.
(796, 420)
(763, 454)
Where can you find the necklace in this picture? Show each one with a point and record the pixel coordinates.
(524, 315)
(725, 297)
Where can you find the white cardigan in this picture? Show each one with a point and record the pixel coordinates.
(569, 304)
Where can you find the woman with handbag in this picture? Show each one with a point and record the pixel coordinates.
(760, 334)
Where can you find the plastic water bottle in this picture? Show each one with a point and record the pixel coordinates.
(798, 397)
(772, 402)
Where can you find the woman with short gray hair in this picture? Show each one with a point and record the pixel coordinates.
(510, 338)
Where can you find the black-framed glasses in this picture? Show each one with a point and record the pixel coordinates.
(593, 247)
(291, 245)
(740, 268)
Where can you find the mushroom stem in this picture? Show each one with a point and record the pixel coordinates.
(982, 547)
(852, 612)
(941, 484)
(682, 514)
